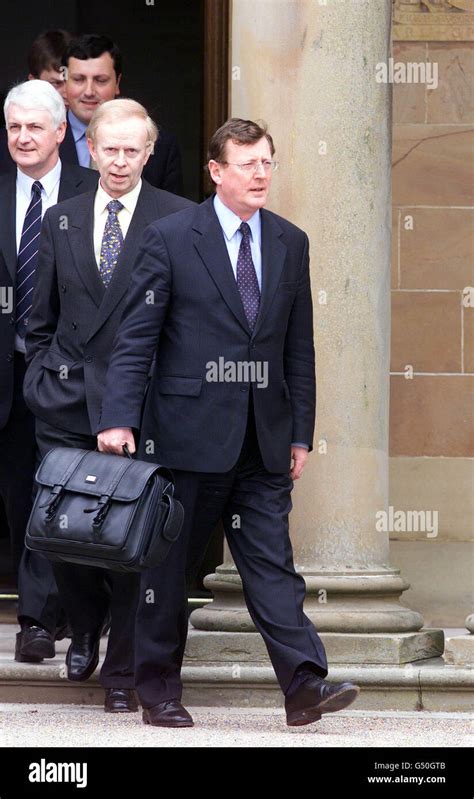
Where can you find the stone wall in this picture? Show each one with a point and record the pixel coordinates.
(432, 339)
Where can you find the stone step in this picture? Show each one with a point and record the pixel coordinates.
(429, 684)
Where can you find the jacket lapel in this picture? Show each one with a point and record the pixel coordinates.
(8, 223)
(213, 251)
(146, 211)
(80, 234)
(273, 258)
(72, 182)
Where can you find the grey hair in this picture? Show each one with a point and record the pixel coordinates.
(38, 94)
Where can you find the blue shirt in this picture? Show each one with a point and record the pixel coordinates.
(230, 224)
(78, 129)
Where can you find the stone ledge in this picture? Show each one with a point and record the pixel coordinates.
(459, 650)
(363, 648)
(428, 685)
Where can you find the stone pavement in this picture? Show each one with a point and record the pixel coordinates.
(47, 725)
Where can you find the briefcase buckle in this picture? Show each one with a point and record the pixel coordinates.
(102, 508)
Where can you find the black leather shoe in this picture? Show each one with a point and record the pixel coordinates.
(83, 655)
(33, 643)
(167, 714)
(316, 696)
(120, 700)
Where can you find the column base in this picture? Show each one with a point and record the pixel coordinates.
(346, 602)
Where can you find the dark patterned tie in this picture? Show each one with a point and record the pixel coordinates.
(112, 242)
(27, 259)
(247, 282)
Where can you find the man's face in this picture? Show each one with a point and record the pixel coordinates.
(243, 191)
(56, 79)
(33, 140)
(120, 152)
(89, 83)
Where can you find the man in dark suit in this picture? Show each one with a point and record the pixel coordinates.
(230, 405)
(35, 117)
(86, 254)
(93, 72)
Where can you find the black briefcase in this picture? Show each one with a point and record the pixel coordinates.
(103, 510)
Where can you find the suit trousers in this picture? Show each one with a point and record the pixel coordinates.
(38, 594)
(254, 505)
(87, 593)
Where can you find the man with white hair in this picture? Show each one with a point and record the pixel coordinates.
(85, 270)
(36, 122)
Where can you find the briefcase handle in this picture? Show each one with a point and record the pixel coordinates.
(127, 452)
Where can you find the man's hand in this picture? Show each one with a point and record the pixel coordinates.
(113, 439)
(299, 456)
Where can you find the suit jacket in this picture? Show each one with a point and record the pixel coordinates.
(163, 169)
(196, 320)
(74, 318)
(74, 180)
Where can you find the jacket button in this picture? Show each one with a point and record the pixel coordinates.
(9, 357)
(63, 288)
(244, 388)
(89, 359)
(74, 326)
(12, 321)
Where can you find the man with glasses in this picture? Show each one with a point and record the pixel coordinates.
(230, 409)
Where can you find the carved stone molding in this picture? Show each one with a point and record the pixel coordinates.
(433, 20)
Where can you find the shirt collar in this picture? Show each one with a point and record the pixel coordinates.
(78, 128)
(48, 181)
(230, 222)
(129, 200)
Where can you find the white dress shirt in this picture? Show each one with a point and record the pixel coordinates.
(124, 216)
(49, 197)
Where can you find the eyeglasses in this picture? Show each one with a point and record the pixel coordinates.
(252, 166)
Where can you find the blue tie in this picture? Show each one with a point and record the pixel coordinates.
(112, 242)
(27, 259)
(247, 282)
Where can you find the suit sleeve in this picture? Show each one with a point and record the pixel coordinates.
(299, 357)
(138, 335)
(44, 314)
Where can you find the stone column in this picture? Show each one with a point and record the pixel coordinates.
(308, 69)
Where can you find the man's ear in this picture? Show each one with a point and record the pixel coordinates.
(31, 77)
(91, 147)
(61, 132)
(149, 151)
(117, 88)
(215, 171)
